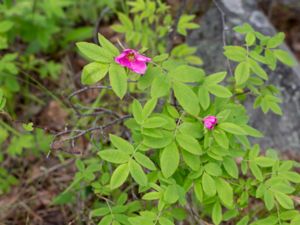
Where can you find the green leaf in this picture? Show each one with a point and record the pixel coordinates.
(235, 53)
(250, 38)
(204, 98)
(3, 136)
(191, 129)
(243, 29)
(160, 142)
(152, 196)
(107, 220)
(194, 60)
(118, 79)
(256, 56)
(18, 143)
(283, 187)
(241, 73)
(169, 160)
(256, 171)
(100, 212)
(225, 192)
(284, 200)
(295, 220)
(264, 161)
(165, 221)
(146, 80)
(251, 131)
(231, 167)
(276, 40)
(115, 223)
(198, 190)
(269, 200)
(186, 98)
(270, 59)
(284, 57)
(2, 99)
(5, 26)
(230, 214)
(137, 173)
(160, 86)
(121, 144)
(160, 58)
(137, 111)
(95, 52)
(154, 122)
(78, 34)
(93, 72)
(243, 221)
(219, 91)
(172, 111)
(185, 23)
(149, 107)
(119, 176)
(28, 126)
(209, 185)
(217, 213)
(232, 128)
(189, 144)
(256, 68)
(80, 165)
(125, 21)
(108, 45)
(191, 160)
(214, 78)
(114, 156)
(144, 161)
(292, 176)
(213, 169)
(221, 138)
(171, 194)
(185, 73)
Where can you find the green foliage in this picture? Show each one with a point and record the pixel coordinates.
(150, 24)
(171, 160)
(171, 154)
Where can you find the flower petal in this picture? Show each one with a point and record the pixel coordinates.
(123, 61)
(142, 58)
(138, 67)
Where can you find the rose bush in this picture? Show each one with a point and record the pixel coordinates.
(187, 155)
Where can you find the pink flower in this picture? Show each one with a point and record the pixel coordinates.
(133, 60)
(210, 122)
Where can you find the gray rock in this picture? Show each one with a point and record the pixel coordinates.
(282, 133)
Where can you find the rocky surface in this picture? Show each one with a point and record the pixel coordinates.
(282, 133)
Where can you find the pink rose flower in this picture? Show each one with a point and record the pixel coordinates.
(133, 60)
(210, 122)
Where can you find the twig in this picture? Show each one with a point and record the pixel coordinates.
(224, 28)
(194, 213)
(81, 133)
(97, 25)
(84, 89)
(50, 170)
(31, 212)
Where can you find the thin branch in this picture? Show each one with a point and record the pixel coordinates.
(97, 25)
(50, 170)
(84, 89)
(81, 133)
(224, 29)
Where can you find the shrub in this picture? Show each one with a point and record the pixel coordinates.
(187, 155)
